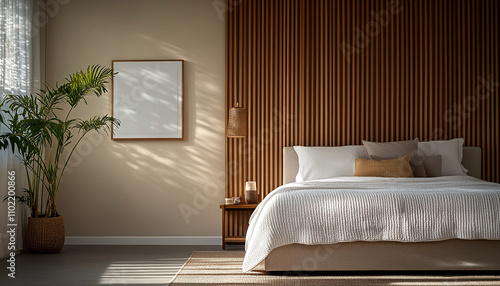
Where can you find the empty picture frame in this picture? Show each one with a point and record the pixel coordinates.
(147, 98)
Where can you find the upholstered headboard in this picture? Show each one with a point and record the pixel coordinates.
(471, 161)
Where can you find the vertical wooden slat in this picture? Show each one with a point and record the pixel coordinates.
(315, 73)
(342, 39)
(496, 100)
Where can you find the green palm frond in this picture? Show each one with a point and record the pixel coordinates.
(92, 81)
(97, 123)
(25, 105)
(49, 99)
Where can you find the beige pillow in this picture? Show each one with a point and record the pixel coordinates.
(397, 149)
(432, 165)
(451, 152)
(395, 168)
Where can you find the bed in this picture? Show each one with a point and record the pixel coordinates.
(469, 247)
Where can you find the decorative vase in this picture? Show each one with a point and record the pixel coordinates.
(45, 235)
(251, 192)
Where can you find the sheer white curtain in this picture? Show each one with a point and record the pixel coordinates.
(19, 74)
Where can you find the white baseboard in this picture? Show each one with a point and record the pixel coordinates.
(143, 240)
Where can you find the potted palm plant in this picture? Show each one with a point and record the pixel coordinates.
(43, 135)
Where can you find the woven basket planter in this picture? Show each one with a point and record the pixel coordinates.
(45, 235)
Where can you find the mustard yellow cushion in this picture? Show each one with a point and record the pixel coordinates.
(395, 168)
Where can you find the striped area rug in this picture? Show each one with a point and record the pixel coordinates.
(224, 268)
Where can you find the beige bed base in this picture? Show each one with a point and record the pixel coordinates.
(374, 256)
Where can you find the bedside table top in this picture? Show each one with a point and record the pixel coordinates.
(240, 206)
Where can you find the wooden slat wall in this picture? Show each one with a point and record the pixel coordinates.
(427, 69)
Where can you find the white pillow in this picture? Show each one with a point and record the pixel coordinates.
(451, 152)
(327, 162)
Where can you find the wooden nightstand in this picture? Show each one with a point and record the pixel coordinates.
(225, 223)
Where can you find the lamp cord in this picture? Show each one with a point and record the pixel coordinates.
(237, 56)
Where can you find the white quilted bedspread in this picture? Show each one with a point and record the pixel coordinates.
(350, 209)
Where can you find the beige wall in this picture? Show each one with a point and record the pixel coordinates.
(138, 188)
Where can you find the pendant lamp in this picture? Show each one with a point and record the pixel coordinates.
(237, 122)
(237, 119)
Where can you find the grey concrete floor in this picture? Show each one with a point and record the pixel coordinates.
(102, 265)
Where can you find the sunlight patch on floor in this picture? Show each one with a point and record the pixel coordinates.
(160, 271)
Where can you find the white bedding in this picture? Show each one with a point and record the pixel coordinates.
(347, 209)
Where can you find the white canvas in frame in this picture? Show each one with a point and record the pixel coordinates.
(148, 99)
